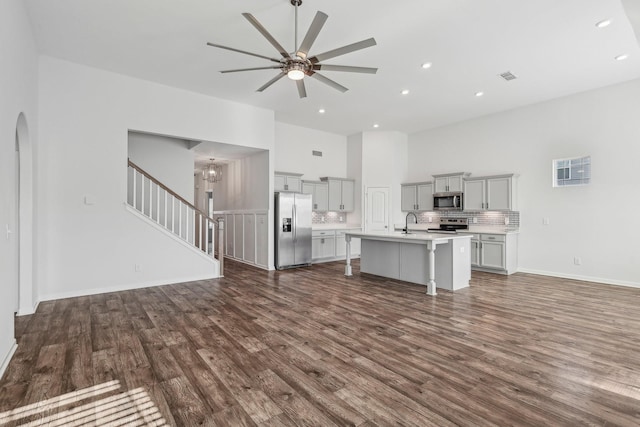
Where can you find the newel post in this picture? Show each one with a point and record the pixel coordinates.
(221, 245)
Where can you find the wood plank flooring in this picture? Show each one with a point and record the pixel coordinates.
(311, 347)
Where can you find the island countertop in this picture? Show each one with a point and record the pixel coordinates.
(412, 257)
(417, 238)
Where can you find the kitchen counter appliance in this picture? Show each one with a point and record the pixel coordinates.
(451, 225)
(292, 230)
(450, 201)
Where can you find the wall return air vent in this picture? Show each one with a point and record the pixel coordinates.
(508, 75)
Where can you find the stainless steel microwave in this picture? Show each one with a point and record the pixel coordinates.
(447, 201)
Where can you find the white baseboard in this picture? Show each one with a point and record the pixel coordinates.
(128, 287)
(28, 311)
(582, 278)
(7, 358)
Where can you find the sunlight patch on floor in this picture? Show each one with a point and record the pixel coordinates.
(131, 408)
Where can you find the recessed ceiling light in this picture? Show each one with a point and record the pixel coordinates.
(375, 125)
(426, 65)
(405, 92)
(478, 94)
(622, 57)
(603, 23)
(321, 111)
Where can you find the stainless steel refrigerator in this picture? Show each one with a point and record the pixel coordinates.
(293, 230)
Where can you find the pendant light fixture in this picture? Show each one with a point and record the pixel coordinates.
(212, 173)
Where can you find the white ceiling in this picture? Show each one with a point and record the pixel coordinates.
(553, 46)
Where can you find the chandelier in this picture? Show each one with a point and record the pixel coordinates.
(212, 173)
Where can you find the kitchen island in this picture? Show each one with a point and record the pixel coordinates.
(421, 258)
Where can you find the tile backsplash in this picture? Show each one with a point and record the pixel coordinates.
(490, 218)
(328, 217)
(509, 219)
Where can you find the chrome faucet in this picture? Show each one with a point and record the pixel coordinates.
(406, 222)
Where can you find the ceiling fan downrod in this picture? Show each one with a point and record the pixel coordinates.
(295, 3)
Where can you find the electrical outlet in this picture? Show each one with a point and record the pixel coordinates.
(341, 218)
(545, 221)
(577, 260)
(475, 220)
(506, 220)
(430, 219)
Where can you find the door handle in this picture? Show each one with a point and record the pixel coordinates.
(295, 231)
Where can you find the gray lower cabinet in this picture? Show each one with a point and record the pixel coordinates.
(323, 244)
(330, 245)
(496, 253)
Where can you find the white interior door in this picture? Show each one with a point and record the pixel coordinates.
(377, 215)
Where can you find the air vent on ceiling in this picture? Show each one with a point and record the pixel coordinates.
(316, 153)
(508, 75)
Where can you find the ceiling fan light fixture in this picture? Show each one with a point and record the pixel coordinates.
(295, 74)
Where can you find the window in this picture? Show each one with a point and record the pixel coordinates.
(575, 171)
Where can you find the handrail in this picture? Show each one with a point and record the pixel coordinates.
(168, 190)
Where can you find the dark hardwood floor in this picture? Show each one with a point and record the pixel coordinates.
(311, 347)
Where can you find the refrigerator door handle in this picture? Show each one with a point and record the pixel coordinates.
(294, 225)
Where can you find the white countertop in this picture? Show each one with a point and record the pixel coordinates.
(419, 237)
(334, 226)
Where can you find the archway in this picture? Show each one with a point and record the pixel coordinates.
(24, 221)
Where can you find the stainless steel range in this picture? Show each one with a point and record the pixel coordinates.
(451, 225)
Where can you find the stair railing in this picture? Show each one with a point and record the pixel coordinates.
(160, 204)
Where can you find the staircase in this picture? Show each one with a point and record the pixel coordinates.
(159, 204)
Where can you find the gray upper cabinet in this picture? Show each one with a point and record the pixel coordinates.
(341, 194)
(449, 182)
(319, 194)
(496, 193)
(287, 181)
(417, 197)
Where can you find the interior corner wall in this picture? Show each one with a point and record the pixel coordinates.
(294, 146)
(354, 170)
(603, 124)
(384, 164)
(169, 160)
(85, 114)
(18, 86)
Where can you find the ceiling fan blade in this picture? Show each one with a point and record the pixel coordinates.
(347, 68)
(243, 51)
(343, 50)
(302, 91)
(266, 35)
(270, 82)
(329, 82)
(312, 33)
(251, 69)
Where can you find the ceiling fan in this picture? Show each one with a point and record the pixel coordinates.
(298, 64)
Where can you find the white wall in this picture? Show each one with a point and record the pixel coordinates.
(18, 86)
(294, 145)
(169, 160)
(602, 123)
(384, 164)
(85, 116)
